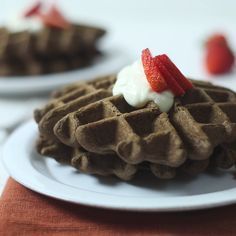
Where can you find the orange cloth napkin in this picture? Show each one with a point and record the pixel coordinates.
(24, 212)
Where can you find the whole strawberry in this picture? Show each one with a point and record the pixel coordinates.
(219, 58)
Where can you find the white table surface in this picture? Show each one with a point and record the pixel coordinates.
(175, 27)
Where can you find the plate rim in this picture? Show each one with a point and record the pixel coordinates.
(193, 202)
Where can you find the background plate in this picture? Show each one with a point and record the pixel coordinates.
(112, 61)
(145, 193)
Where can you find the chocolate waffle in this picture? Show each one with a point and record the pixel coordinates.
(86, 162)
(88, 116)
(104, 165)
(97, 93)
(205, 117)
(71, 99)
(36, 66)
(49, 50)
(110, 164)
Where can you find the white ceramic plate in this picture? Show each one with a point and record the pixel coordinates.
(145, 193)
(112, 61)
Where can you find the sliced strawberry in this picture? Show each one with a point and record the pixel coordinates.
(34, 10)
(152, 73)
(175, 72)
(54, 19)
(160, 84)
(170, 80)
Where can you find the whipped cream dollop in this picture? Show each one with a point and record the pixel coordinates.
(20, 23)
(133, 85)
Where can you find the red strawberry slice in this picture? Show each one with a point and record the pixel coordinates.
(159, 85)
(54, 19)
(175, 72)
(170, 80)
(34, 10)
(154, 77)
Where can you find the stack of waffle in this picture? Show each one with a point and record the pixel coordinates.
(98, 133)
(48, 50)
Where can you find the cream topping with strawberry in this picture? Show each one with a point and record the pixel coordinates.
(36, 17)
(151, 79)
(19, 23)
(133, 85)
